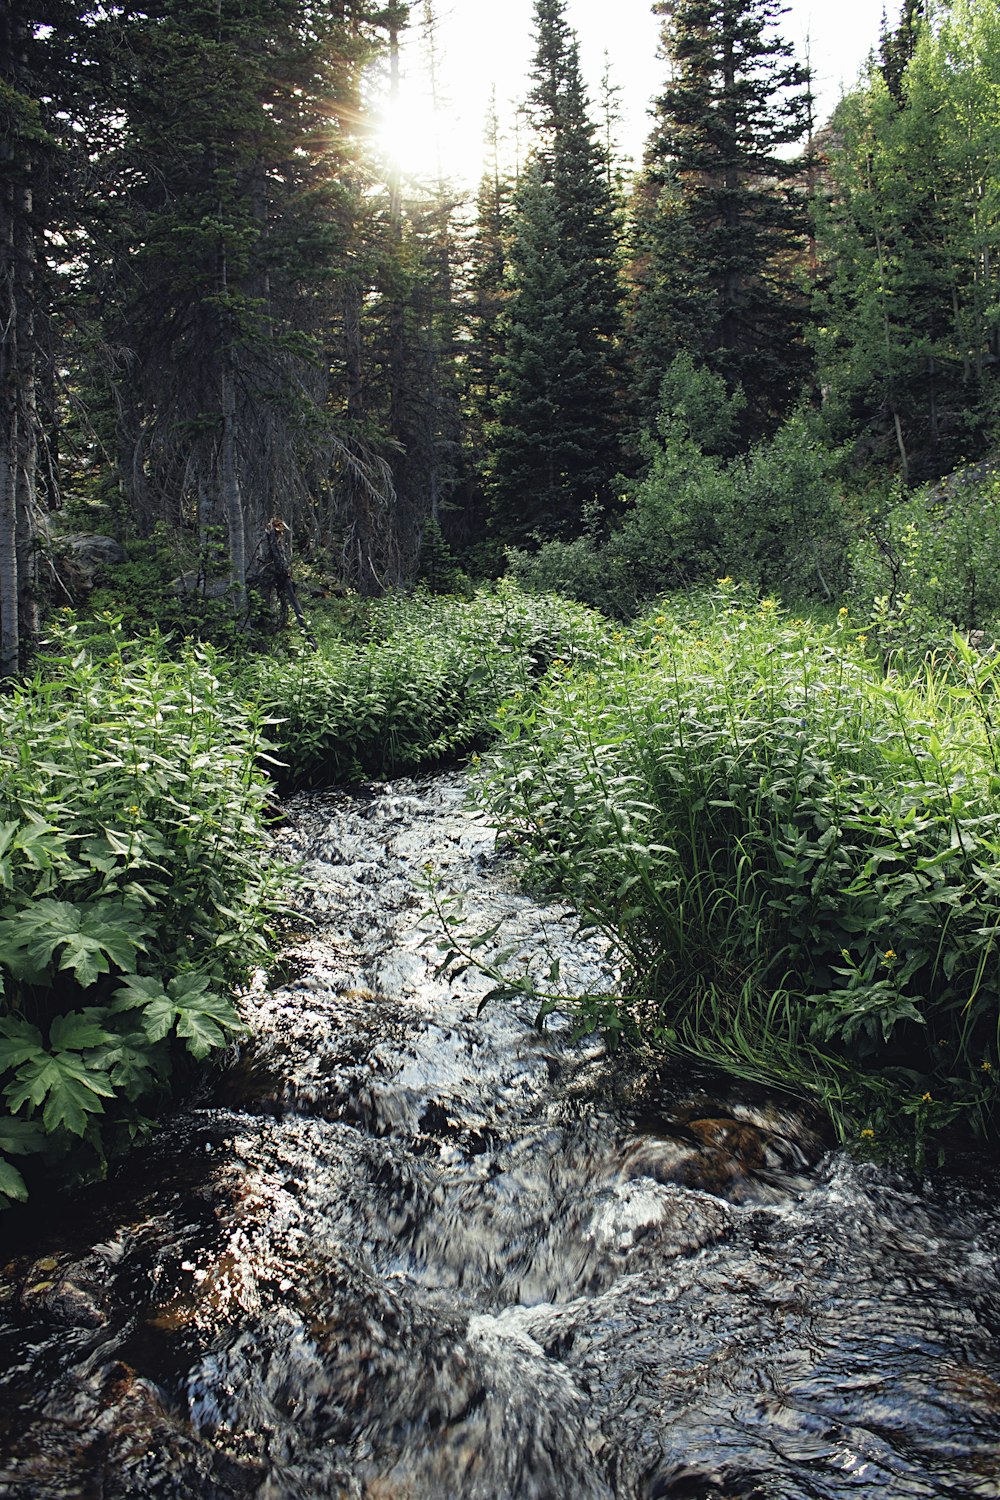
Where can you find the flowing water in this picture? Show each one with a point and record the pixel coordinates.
(406, 1250)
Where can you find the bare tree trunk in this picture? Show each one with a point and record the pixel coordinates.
(10, 644)
(232, 500)
(10, 630)
(17, 386)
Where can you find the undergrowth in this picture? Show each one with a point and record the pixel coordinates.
(413, 681)
(793, 852)
(134, 893)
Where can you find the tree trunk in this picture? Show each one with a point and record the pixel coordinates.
(10, 645)
(17, 352)
(232, 500)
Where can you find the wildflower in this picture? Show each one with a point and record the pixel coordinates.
(767, 605)
(889, 956)
(724, 582)
(842, 612)
(985, 1066)
(867, 1135)
(134, 811)
(927, 1098)
(660, 620)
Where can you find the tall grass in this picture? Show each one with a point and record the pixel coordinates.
(795, 855)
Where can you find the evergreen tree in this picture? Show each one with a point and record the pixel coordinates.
(909, 301)
(48, 52)
(220, 287)
(720, 218)
(555, 441)
(485, 287)
(897, 47)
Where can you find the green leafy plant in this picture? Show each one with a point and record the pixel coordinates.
(419, 684)
(135, 888)
(929, 561)
(794, 855)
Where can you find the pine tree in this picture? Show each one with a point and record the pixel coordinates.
(221, 286)
(720, 219)
(46, 55)
(909, 296)
(897, 47)
(555, 442)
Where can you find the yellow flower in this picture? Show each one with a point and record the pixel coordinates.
(842, 612)
(985, 1066)
(927, 1098)
(889, 955)
(867, 1135)
(724, 582)
(134, 811)
(767, 605)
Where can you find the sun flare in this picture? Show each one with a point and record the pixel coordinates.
(427, 144)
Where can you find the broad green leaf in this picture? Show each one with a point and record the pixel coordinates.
(200, 1031)
(84, 956)
(158, 1017)
(77, 1031)
(91, 936)
(19, 1041)
(137, 990)
(12, 1186)
(20, 1137)
(66, 1089)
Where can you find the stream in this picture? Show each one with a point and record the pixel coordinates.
(402, 1250)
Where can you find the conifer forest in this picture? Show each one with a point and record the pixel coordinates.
(667, 488)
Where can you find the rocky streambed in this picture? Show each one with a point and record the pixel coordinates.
(405, 1249)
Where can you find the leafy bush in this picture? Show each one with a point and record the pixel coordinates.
(795, 856)
(773, 518)
(421, 685)
(933, 556)
(134, 892)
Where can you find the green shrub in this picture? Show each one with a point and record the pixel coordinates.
(134, 890)
(420, 686)
(774, 518)
(795, 857)
(933, 557)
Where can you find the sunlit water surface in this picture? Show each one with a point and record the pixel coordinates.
(406, 1250)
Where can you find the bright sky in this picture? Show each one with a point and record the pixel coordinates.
(481, 47)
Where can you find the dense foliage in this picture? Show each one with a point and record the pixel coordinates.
(930, 559)
(134, 895)
(794, 854)
(419, 682)
(775, 517)
(721, 209)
